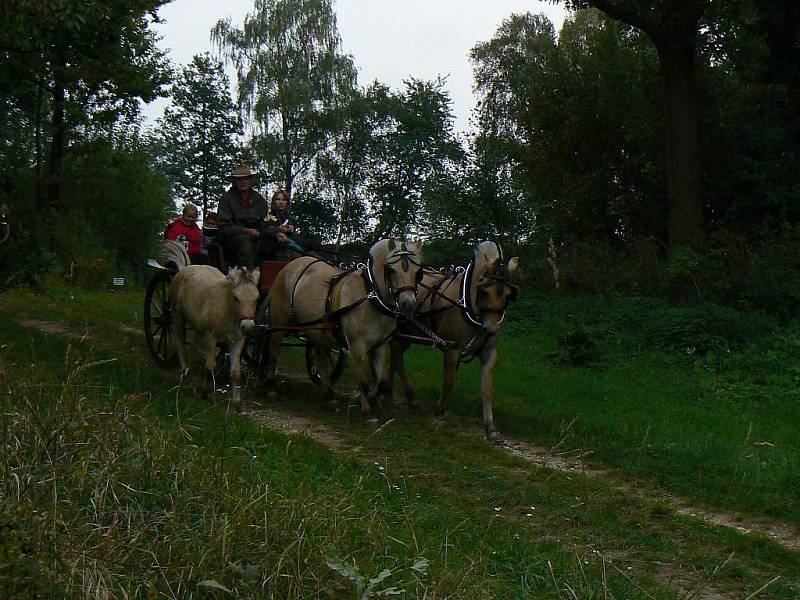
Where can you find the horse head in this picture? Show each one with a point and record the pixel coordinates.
(395, 271)
(492, 291)
(244, 290)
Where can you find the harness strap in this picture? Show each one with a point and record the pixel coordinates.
(292, 318)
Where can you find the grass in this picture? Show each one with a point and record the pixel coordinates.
(117, 483)
(717, 426)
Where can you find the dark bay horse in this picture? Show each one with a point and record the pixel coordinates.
(464, 308)
(356, 310)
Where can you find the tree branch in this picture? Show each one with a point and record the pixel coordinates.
(632, 13)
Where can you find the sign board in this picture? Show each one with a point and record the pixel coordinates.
(118, 281)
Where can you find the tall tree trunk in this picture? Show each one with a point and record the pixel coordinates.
(39, 150)
(673, 30)
(683, 168)
(59, 127)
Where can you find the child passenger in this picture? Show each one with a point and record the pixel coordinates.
(278, 230)
(185, 230)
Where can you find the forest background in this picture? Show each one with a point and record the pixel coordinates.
(646, 148)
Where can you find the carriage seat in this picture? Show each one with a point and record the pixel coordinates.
(269, 271)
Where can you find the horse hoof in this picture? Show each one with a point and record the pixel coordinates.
(495, 438)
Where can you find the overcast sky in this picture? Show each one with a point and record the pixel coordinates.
(389, 40)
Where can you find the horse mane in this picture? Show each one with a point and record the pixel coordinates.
(486, 257)
(239, 275)
(173, 255)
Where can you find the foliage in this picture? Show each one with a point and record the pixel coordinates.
(413, 157)
(197, 133)
(70, 72)
(576, 119)
(292, 79)
(110, 229)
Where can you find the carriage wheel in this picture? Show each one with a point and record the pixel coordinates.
(158, 320)
(255, 346)
(336, 358)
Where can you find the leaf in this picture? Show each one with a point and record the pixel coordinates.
(246, 571)
(378, 578)
(349, 572)
(420, 565)
(390, 592)
(214, 585)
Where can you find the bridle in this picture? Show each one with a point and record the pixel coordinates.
(405, 258)
(499, 275)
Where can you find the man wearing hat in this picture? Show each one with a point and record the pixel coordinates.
(240, 215)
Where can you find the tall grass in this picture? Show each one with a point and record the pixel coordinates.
(117, 487)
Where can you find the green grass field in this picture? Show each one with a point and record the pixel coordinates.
(116, 483)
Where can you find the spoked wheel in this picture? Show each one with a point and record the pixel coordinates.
(254, 352)
(158, 320)
(336, 358)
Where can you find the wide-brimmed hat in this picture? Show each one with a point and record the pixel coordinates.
(242, 172)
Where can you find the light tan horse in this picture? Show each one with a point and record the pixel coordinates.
(362, 304)
(466, 308)
(217, 309)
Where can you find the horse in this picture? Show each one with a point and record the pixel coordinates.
(463, 309)
(355, 310)
(219, 309)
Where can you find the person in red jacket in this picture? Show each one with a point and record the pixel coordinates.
(186, 231)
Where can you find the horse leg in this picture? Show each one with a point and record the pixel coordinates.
(450, 363)
(488, 363)
(324, 366)
(400, 368)
(273, 350)
(236, 373)
(361, 367)
(394, 351)
(380, 367)
(178, 334)
(208, 348)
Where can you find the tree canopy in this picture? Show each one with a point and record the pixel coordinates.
(198, 134)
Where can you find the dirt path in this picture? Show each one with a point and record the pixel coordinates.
(540, 457)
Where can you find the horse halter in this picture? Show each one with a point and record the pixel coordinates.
(500, 278)
(405, 258)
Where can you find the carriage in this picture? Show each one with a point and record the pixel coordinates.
(158, 319)
(463, 308)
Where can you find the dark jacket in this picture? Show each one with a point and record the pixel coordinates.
(233, 218)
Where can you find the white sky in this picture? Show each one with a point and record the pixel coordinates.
(390, 40)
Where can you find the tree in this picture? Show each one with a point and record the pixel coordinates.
(565, 139)
(412, 153)
(87, 61)
(83, 52)
(293, 78)
(673, 25)
(197, 132)
(342, 169)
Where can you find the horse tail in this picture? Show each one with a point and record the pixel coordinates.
(173, 255)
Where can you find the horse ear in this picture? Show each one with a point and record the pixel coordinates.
(513, 264)
(255, 275)
(392, 244)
